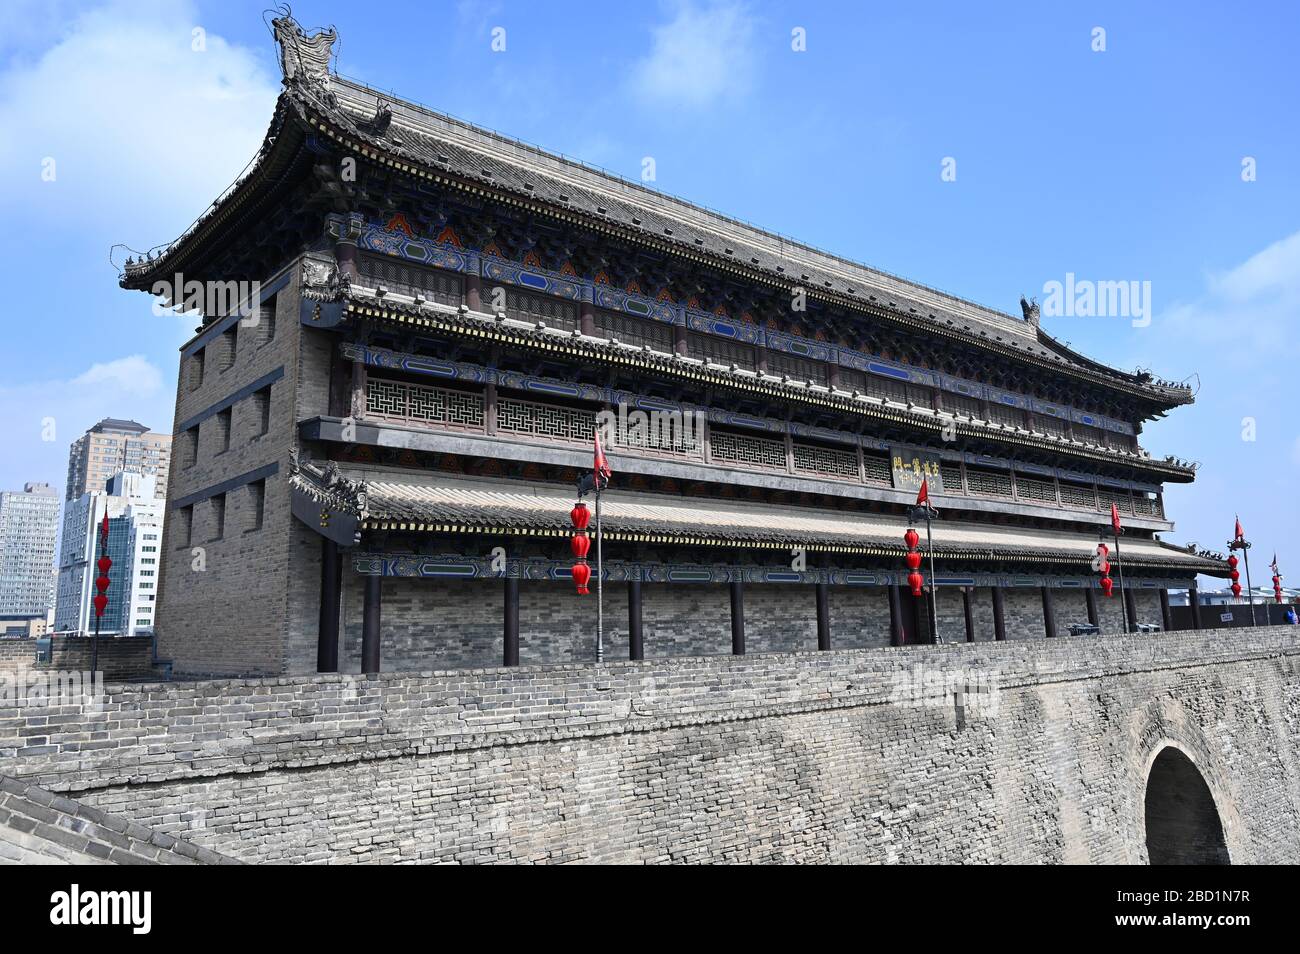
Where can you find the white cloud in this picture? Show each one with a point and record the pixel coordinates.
(143, 129)
(132, 375)
(1248, 313)
(704, 55)
(44, 417)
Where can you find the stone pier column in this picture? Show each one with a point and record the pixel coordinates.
(510, 642)
(1049, 612)
(823, 616)
(635, 639)
(969, 613)
(999, 615)
(896, 633)
(331, 581)
(737, 618)
(370, 623)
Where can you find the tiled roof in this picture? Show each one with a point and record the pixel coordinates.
(395, 501)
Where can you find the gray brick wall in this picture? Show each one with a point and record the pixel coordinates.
(795, 757)
(230, 616)
(859, 617)
(38, 827)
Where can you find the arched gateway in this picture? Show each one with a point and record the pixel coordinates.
(1182, 824)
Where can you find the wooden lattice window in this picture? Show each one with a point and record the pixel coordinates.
(720, 350)
(418, 402)
(950, 474)
(1030, 489)
(747, 449)
(550, 421)
(826, 461)
(553, 312)
(408, 278)
(630, 329)
(887, 389)
(1078, 495)
(960, 404)
(1006, 415)
(876, 468)
(799, 368)
(988, 483)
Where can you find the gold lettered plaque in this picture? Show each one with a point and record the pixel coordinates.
(911, 465)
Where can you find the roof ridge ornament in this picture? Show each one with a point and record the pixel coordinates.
(304, 60)
(1029, 307)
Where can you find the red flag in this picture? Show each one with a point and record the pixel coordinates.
(1114, 517)
(923, 495)
(601, 465)
(1238, 533)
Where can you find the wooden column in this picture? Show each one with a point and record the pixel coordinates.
(1131, 603)
(635, 641)
(510, 642)
(895, 617)
(968, 613)
(737, 618)
(345, 253)
(999, 615)
(823, 616)
(760, 358)
(1194, 604)
(1166, 617)
(474, 292)
(587, 318)
(370, 623)
(1090, 595)
(331, 580)
(679, 339)
(1049, 612)
(490, 408)
(833, 374)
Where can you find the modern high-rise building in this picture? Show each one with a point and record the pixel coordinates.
(29, 528)
(134, 505)
(112, 446)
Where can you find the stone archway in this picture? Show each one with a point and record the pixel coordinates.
(1182, 824)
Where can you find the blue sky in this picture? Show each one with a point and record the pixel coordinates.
(1123, 164)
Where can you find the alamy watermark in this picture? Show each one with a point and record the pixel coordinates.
(973, 692)
(1084, 298)
(176, 296)
(654, 429)
(52, 687)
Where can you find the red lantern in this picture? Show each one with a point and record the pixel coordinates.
(1235, 576)
(101, 603)
(911, 538)
(1103, 551)
(915, 580)
(1232, 562)
(101, 584)
(1236, 589)
(580, 543)
(913, 560)
(580, 516)
(104, 565)
(581, 576)
(1107, 586)
(1104, 569)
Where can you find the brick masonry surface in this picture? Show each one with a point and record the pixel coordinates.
(118, 658)
(835, 756)
(38, 827)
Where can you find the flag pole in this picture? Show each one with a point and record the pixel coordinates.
(1123, 600)
(600, 582)
(1250, 593)
(934, 583)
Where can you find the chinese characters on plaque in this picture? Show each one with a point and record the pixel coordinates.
(910, 466)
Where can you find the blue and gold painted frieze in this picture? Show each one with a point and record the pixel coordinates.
(559, 571)
(375, 238)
